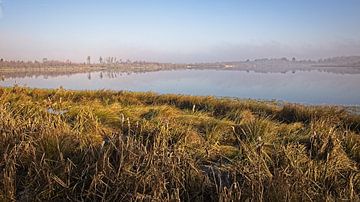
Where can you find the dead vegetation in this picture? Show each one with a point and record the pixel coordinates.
(121, 146)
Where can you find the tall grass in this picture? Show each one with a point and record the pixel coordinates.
(122, 146)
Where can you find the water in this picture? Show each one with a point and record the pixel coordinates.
(312, 87)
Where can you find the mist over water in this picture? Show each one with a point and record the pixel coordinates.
(310, 87)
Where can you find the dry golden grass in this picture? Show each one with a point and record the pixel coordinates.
(122, 146)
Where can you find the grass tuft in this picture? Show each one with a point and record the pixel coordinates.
(122, 146)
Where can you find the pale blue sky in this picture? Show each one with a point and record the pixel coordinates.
(178, 31)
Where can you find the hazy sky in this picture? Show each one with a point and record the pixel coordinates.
(178, 31)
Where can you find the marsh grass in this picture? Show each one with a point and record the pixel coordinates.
(122, 146)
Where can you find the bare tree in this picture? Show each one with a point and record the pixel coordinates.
(88, 60)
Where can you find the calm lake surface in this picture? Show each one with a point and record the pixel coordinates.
(312, 87)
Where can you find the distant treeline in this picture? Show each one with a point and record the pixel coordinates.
(56, 63)
(348, 65)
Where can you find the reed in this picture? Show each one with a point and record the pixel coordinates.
(122, 146)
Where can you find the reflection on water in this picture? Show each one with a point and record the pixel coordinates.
(305, 87)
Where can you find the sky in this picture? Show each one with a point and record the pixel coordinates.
(178, 31)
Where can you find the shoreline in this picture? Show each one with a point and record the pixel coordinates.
(351, 108)
(259, 66)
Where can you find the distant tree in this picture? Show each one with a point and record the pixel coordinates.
(88, 60)
(1, 60)
(293, 59)
(101, 60)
